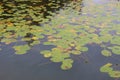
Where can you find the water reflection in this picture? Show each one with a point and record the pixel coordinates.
(32, 13)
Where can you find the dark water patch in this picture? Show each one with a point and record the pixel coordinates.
(46, 8)
(113, 32)
(116, 22)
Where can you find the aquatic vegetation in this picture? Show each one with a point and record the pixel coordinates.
(115, 49)
(107, 68)
(56, 55)
(67, 64)
(67, 29)
(106, 53)
(22, 49)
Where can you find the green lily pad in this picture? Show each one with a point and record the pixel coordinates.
(66, 64)
(116, 40)
(21, 49)
(84, 49)
(46, 53)
(8, 40)
(106, 53)
(114, 74)
(75, 52)
(35, 43)
(106, 68)
(115, 49)
(59, 57)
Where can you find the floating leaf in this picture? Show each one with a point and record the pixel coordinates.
(84, 49)
(58, 55)
(106, 68)
(116, 40)
(46, 53)
(106, 53)
(21, 49)
(8, 40)
(115, 49)
(67, 64)
(75, 52)
(114, 74)
(35, 43)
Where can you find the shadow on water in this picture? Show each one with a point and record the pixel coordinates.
(48, 6)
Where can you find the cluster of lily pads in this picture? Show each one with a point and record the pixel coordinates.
(105, 19)
(68, 30)
(107, 68)
(22, 21)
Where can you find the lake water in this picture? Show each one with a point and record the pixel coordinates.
(33, 66)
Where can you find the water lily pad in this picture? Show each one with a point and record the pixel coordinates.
(46, 53)
(106, 53)
(8, 40)
(67, 64)
(106, 68)
(115, 49)
(75, 52)
(59, 57)
(48, 43)
(21, 49)
(114, 74)
(116, 40)
(84, 49)
(35, 43)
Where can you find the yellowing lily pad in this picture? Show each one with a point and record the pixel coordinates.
(114, 74)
